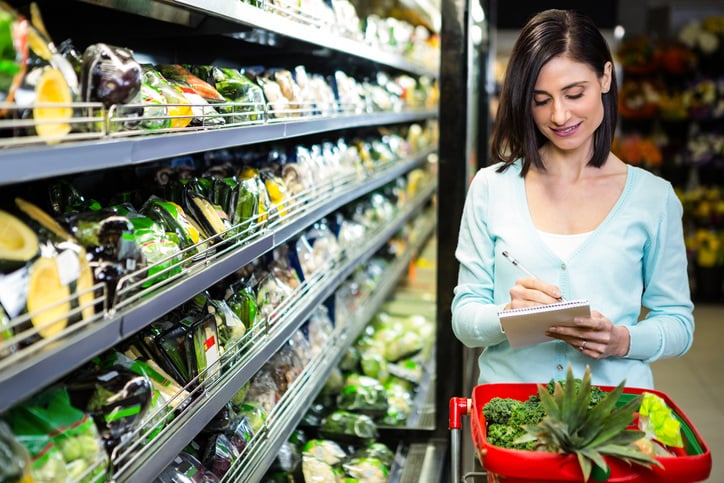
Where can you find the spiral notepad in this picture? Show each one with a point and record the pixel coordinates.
(527, 326)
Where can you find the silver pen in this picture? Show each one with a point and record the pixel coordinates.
(522, 268)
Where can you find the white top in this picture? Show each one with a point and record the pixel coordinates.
(564, 245)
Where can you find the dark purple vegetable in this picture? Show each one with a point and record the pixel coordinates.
(109, 74)
(117, 399)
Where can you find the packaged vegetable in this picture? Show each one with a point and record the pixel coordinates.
(219, 454)
(363, 394)
(244, 95)
(178, 106)
(148, 108)
(240, 433)
(178, 72)
(160, 250)
(186, 468)
(172, 218)
(369, 470)
(317, 471)
(255, 414)
(325, 450)
(62, 440)
(14, 457)
(349, 427)
(204, 113)
(109, 74)
(243, 302)
(116, 397)
(263, 389)
(376, 450)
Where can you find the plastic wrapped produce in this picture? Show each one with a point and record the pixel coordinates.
(325, 450)
(109, 74)
(290, 90)
(285, 367)
(317, 471)
(399, 401)
(62, 440)
(263, 389)
(376, 450)
(185, 468)
(178, 106)
(149, 107)
(363, 394)
(237, 89)
(219, 454)
(288, 460)
(240, 433)
(348, 427)
(369, 470)
(270, 293)
(14, 457)
(243, 302)
(117, 398)
(255, 413)
(319, 327)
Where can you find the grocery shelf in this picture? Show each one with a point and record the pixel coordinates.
(40, 161)
(247, 14)
(30, 374)
(43, 367)
(307, 386)
(138, 316)
(161, 451)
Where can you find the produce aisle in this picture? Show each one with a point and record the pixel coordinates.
(206, 207)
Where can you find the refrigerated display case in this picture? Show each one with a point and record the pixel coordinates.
(105, 157)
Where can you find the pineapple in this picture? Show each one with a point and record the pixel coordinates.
(570, 427)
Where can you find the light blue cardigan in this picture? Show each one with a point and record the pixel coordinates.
(636, 257)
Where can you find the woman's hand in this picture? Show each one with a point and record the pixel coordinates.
(595, 336)
(528, 292)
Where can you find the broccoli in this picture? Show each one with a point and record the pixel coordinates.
(529, 412)
(504, 435)
(506, 417)
(498, 409)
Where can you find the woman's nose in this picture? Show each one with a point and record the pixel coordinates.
(559, 114)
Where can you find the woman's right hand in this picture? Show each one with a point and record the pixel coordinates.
(528, 292)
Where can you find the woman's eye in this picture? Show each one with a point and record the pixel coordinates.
(540, 102)
(576, 96)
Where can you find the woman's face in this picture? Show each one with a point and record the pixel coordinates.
(567, 105)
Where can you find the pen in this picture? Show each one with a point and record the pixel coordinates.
(515, 262)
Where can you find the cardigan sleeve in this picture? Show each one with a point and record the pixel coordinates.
(475, 319)
(668, 328)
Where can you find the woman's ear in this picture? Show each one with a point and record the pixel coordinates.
(606, 77)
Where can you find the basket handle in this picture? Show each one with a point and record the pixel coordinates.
(459, 407)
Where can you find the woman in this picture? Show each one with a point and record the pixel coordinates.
(588, 225)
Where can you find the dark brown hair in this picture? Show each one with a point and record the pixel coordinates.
(546, 35)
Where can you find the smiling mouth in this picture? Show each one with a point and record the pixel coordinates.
(566, 131)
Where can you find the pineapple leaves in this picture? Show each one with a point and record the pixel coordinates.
(573, 425)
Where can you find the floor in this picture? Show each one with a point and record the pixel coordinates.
(696, 382)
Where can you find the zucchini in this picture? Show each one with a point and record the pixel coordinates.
(18, 243)
(246, 204)
(172, 217)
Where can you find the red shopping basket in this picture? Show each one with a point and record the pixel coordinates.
(693, 463)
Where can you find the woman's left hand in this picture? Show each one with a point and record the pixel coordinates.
(595, 336)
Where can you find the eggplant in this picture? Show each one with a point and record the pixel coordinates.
(109, 74)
